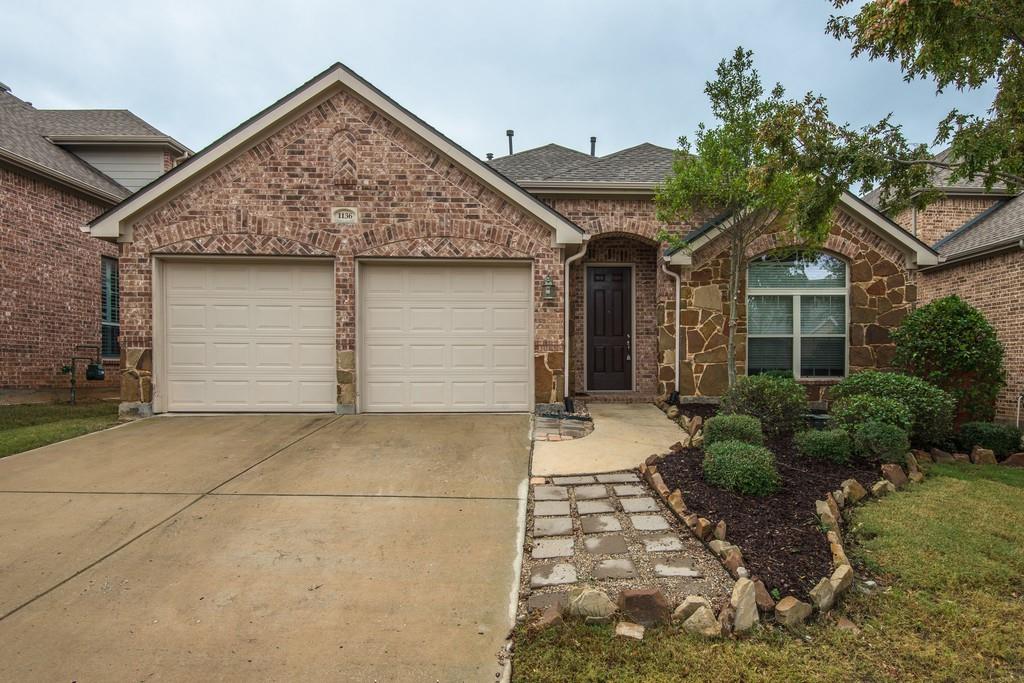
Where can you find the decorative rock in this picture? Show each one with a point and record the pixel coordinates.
(842, 579)
(961, 457)
(672, 412)
(941, 456)
(838, 555)
(691, 522)
(653, 459)
(552, 575)
(917, 477)
(539, 602)
(882, 488)
(615, 569)
(744, 601)
(703, 528)
(703, 623)
(627, 629)
(839, 498)
(853, 491)
(921, 456)
(833, 506)
(605, 545)
(824, 513)
(719, 547)
(791, 612)
(1015, 460)
(845, 624)
(822, 595)
(689, 605)
(983, 456)
(720, 530)
(590, 602)
(912, 465)
(725, 618)
(698, 439)
(733, 560)
(646, 606)
(684, 440)
(895, 474)
(675, 501)
(677, 447)
(549, 617)
(763, 598)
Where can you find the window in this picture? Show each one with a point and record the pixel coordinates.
(111, 309)
(796, 316)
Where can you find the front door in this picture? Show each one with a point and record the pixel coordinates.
(609, 329)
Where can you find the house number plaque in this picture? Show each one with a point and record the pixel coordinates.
(345, 215)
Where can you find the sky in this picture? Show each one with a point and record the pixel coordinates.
(555, 71)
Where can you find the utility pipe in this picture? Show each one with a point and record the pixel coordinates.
(565, 309)
(675, 276)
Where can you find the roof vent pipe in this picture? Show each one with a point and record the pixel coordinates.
(510, 133)
(490, 156)
(593, 145)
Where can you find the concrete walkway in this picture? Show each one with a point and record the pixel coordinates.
(624, 434)
(264, 547)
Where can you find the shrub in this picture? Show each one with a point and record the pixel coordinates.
(741, 467)
(852, 411)
(743, 428)
(825, 444)
(778, 402)
(1002, 439)
(932, 410)
(877, 440)
(949, 343)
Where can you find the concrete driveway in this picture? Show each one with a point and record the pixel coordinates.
(264, 547)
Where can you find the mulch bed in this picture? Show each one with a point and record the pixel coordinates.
(779, 535)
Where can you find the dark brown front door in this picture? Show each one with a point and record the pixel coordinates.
(609, 329)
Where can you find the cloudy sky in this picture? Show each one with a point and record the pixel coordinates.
(555, 71)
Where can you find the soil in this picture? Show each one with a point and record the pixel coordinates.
(779, 535)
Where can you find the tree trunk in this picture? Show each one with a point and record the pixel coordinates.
(736, 257)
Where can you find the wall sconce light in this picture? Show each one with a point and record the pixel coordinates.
(549, 288)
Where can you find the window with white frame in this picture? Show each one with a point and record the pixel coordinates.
(796, 315)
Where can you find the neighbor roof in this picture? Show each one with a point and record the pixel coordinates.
(538, 163)
(553, 164)
(1002, 224)
(940, 180)
(27, 133)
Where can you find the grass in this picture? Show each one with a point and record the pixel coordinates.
(949, 554)
(24, 427)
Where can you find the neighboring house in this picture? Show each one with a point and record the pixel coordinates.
(979, 235)
(335, 252)
(58, 287)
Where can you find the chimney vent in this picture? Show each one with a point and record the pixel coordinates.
(510, 133)
(490, 155)
(593, 145)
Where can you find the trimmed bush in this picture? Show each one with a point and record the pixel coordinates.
(853, 411)
(932, 410)
(881, 441)
(778, 402)
(741, 467)
(743, 428)
(949, 343)
(1002, 439)
(825, 444)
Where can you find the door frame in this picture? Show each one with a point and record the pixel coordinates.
(632, 324)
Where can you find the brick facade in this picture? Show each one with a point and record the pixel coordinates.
(943, 216)
(994, 285)
(276, 197)
(50, 284)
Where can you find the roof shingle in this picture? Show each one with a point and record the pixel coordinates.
(1001, 224)
(644, 163)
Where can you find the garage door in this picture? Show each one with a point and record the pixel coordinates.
(445, 337)
(249, 336)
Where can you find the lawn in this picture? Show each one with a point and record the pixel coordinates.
(949, 555)
(23, 427)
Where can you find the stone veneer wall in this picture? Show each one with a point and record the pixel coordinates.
(944, 216)
(275, 198)
(881, 294)
(995, 285)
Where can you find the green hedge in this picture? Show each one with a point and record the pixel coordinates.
(778, 402)
(853, 411)
(826, 444)
(932, 410)
(741, 467)
(881, 441)
(1002, 439)
(745, 428)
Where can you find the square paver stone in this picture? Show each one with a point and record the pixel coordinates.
(648, 522)
(615, 569)
(541, 601)
(572, 481)
(544, 548)
(629, 490)
(641, 504)
(661, 543)
(591, 492)
(552, 574)
(550, 493)
(594, 507)
(617, 478)
(605, 545)
(595, 524)
(678, 567)
(552, 526)
(551, 508)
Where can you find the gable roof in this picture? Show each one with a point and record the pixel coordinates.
(940, 180)
(1000, 225)
(644, 163)
(112, 223)
(538, 163)
(552, 166)
(29, 137)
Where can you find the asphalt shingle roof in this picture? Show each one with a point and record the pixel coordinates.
(940, 181)
(538, 163)
(644, 163)
(1003, 223)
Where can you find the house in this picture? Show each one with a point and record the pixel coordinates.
(335, 252)
(979, 235)
(58, 287)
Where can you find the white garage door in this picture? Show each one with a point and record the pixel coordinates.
(249, 336)
(445, 337)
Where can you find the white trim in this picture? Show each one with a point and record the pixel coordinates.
(632, 334)
(112, 225)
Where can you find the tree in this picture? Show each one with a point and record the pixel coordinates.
(770, 164)
(960, 43)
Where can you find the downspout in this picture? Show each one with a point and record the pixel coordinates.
(565, 307)
(675, 276)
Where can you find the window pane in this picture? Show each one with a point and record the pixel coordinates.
(822, 356)
(110, 312)
(818, 271)
(822, 314)
(766, 354)
(770, 315)
(109, 346)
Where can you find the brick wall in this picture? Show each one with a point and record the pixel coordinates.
(943, 216)
(342, 152)
(995, 285)
(49, 282)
